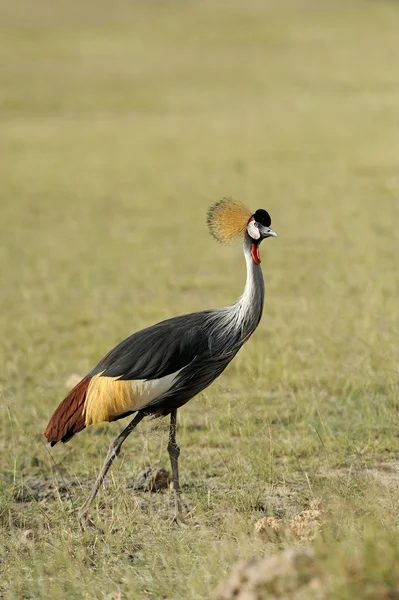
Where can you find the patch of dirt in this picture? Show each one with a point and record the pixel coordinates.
(386, 473)
(47, 489)
(283, 500)
(44, 489)
(114, 596)
(291, 575)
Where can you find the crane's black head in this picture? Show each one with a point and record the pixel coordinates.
(258, 229)
(262, 216)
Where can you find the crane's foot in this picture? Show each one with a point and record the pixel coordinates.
(87, 523)
(178, 520)
(178, 517)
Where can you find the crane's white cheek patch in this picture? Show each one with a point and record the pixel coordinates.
(253, 231)
(108, 397)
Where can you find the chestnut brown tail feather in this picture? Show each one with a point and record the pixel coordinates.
(68, 418)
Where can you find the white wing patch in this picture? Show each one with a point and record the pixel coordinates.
(147, 390)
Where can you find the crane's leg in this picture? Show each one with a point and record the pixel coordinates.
(113, 452)
(174, 452)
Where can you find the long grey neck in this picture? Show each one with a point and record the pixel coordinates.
(245, 314)
(250, 305)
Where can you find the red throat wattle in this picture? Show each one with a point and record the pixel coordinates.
(255, 254)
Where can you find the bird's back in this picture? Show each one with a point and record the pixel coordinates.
(155, 370)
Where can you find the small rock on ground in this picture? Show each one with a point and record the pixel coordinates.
(269, 528)
(27, 536)
(151, 480)
(304, 526)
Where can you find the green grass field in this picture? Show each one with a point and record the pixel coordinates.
(120, 124)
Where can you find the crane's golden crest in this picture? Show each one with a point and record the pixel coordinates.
(227, 220)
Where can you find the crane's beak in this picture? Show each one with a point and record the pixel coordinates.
(266, 232)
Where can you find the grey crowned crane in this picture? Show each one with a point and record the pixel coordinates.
(158, 369)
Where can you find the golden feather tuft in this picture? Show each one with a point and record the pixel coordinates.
(228, 219)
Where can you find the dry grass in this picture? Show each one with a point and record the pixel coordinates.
(119, 127)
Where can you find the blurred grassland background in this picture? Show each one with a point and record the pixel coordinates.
(120, 124)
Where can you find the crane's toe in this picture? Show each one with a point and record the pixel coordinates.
(178, 520)
(87, 523)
